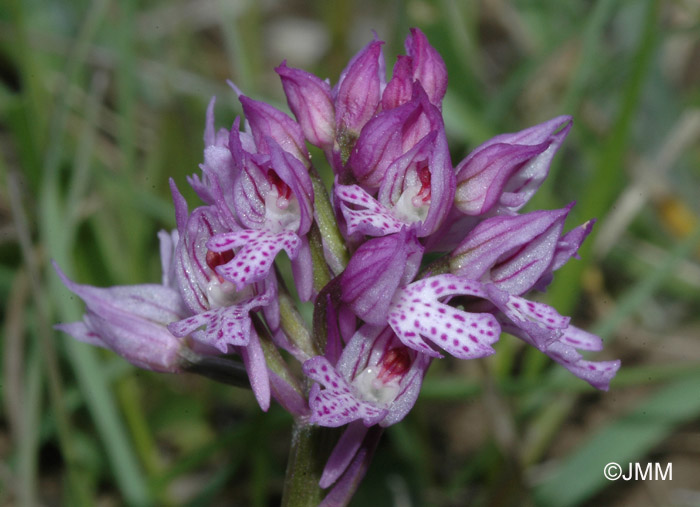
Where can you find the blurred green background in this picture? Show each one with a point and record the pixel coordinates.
(102, 101)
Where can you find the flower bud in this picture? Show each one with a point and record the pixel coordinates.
(505, 172)
(309, 98)
(358, 92)
(130, 320)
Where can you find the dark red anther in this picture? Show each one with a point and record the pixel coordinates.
(395, 363)
(218, 259)
(283, 189)
(424, 176)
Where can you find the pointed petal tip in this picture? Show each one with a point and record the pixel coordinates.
(235, 88)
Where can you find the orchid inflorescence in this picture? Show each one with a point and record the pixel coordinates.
(382, 313)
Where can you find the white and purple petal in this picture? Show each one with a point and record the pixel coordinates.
(418, 317)
(336, 405)
(367, 216)
(255, 253)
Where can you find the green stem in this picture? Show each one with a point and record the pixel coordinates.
(306, 460)
(327, 225)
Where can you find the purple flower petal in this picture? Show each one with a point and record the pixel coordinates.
(268, 122)
(482, 177)
(310, 100)
(399, 90)
(512, 252)
(168, 245)
(343, 453)
(376, 270)
(359, 89)
(131, 321)
(427, 65)
(347, 484)
(302, 270)
(391, 134)
(255, 365)
(509, 168)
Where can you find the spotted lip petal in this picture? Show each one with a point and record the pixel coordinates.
(367, 216)
(336, 405)
(564, 351)
(416, 315)
(343, 401)
(541, 323)
(512, 252)
(376, 270)
(257, 251)
(225, 327)
(368, 348)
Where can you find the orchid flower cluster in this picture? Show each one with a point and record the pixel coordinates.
(382, 312)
